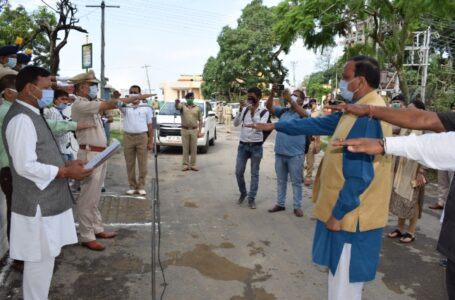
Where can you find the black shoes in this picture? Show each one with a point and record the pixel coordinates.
(276, 208)
(241, 199)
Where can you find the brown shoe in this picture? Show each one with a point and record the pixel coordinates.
(194, 168)
(436, 206)
(276, 208)
(94, 245)
(307, 181)
(106, 235)
(185, 168)
(298, 212)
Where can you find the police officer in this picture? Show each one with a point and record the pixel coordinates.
(91, 142)
(227, 112)
(22, 60)
(8, 57)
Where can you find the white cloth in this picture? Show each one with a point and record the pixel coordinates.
(434, 150)
(136, 118)
(339, 286)
(38, 275)
(26, 231)
(250, 135)
(63, 139)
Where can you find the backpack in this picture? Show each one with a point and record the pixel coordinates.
(265, 134)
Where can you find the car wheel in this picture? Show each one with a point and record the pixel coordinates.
(205, 149)
(212, 141)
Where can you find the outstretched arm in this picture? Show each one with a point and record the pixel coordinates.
(404, 117)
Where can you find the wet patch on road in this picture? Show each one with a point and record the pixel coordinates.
(254, 250)
(203, 259)
(190, 204)
(412, 269)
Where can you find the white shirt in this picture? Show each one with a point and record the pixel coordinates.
(25, 232)
(250, 135)
(434, 150)
(136, 118)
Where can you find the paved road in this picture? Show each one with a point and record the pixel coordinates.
(212, 248)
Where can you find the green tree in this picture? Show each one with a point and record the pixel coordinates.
(17, 22)
(389, 25)
(248, 55)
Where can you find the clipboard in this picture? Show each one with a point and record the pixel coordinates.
(101, 157)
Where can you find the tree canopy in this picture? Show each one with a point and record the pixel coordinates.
(248, 55)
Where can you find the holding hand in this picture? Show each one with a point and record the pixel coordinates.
(261, 126)
(74, 169)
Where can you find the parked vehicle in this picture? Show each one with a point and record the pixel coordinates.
(235, 108)
(169, 122)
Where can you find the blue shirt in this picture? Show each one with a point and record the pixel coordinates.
(358, 172)
(289, 145)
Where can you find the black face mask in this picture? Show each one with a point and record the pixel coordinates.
(252, 100)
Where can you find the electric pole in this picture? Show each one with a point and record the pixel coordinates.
(102, 6)
(146, 67)
(293, 64)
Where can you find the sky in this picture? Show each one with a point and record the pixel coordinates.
(173, 37)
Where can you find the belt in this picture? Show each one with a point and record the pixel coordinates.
(189, 128)
(135, 133)
(251, 143)
(92, 148)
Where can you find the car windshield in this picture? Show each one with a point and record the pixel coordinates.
(169, 109)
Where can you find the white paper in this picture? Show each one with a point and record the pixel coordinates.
(103, 156)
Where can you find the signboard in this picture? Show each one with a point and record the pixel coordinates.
(87, 57)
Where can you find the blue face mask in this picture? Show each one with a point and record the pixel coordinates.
(46, 99)
(345, 92)
(62, 106)
(93, 91)
(12, 61)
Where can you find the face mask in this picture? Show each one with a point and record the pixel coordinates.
(12, 61)
(62, 106)
(190, 101)
(395, 105)
(252, 101)
(345, 92)
(46, 98)
(93, 91)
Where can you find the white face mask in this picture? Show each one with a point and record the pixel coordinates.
(93, 91)
(12, 61)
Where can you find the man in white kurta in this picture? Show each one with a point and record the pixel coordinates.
(37, 238)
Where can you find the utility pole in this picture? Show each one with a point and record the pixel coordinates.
(146, 67)
(293, 64)
(103, 79)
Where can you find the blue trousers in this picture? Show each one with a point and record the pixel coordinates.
(285, 166)
(254, 153)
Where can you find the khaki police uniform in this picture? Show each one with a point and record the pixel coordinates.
(220, 113)
(91, 142)
(228, 117)
(190, 117)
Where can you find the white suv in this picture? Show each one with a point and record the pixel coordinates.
(169, 123)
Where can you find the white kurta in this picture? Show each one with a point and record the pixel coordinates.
(434, 150)
(60, 230)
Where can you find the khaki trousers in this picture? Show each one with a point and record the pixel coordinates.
(228, 123)
(309, 158)
(135, 147)
(189, 145)
(88, 214)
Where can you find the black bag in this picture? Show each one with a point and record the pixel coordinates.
(265, 134)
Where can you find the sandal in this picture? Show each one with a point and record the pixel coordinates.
(407, 238)
(395, 234)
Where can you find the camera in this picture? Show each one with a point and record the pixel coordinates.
(280, 87)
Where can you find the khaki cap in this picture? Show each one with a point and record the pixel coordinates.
(84, 77)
